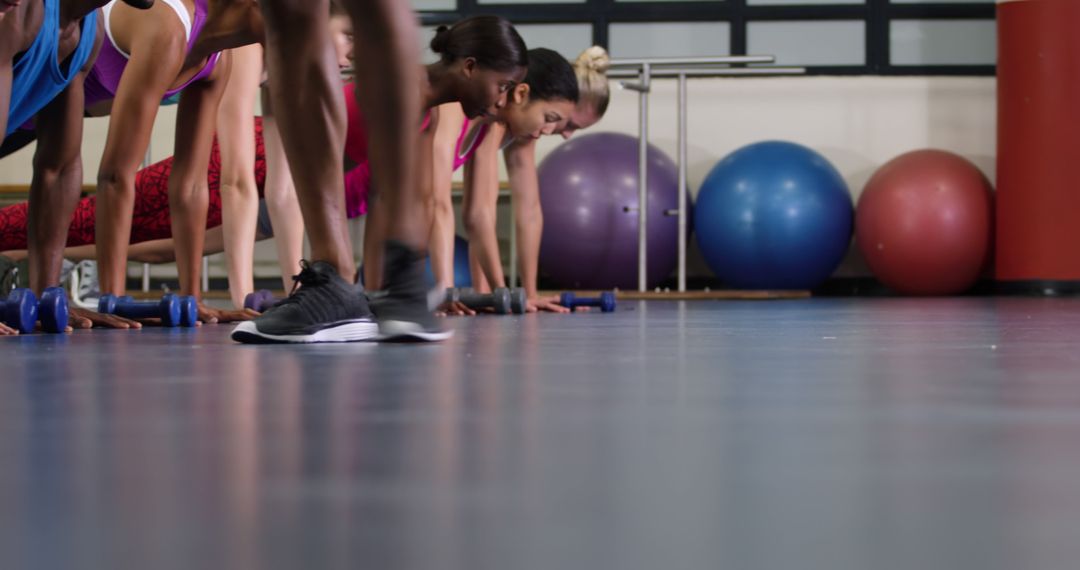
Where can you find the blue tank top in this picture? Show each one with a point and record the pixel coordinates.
(37, 76)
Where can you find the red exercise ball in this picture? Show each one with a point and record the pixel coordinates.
(924, 223)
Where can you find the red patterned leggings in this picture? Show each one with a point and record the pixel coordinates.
(151, 215)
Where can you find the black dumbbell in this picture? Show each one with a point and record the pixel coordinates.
(22, 310)
(519, 301)
(260, 300)
(167, 309)
(606, 301)
(499, 299)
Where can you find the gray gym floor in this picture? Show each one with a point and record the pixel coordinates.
(823, 434)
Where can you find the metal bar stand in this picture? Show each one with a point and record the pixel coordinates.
(146, 266)
(644, 71)
(682, 183)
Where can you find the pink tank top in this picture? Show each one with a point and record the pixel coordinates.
(358, 180)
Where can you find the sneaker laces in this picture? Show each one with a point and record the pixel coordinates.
(302, 283)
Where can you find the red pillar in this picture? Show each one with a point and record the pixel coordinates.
(1038, 197)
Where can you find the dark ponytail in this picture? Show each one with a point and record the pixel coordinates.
(490, 40)
(550, 76)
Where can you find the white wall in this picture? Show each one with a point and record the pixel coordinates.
(16, 169)
(858, 123)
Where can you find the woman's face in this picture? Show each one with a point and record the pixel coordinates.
(527, 118)
(342, 34)
(484, 91)
(583, 116)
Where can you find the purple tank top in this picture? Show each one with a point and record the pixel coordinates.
(104, 79)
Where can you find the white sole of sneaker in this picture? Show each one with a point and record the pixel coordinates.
(346, 331)
(406, 331)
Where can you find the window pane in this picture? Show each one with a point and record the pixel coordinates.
(674, 39)
(426, 33)
(809, 43)
(942, 1)
(801, 2)
(942, 42)
(421, 5)
(567, 39)
(531, 2)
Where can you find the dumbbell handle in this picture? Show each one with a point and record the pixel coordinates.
(475, 300)
(168, 309)
(500, 299)
(571, 300)
(606, 301)
(136, 310)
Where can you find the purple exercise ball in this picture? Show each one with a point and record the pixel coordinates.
(590, 238)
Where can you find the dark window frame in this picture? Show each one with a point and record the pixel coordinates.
(876, 13)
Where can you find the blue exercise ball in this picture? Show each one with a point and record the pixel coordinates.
(462, 275)
(773, 215)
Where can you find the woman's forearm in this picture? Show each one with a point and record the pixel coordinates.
(529, 226)
(282, 205)
(240, 211)
(115, 201)
(484, 243)
(187, 212)
(441, 242)
(239, 193)
(528, 217)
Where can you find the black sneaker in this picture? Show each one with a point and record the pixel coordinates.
(322, 307)
(9, 276)
(404, 307)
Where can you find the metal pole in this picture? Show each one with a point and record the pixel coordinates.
(643, 179)
(682, 182)
(513, 246)
(710, 72)
(706, 60)
(145, 266)
(205, 274)
(681, 68)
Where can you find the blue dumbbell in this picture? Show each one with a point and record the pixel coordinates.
(53, 310)
(606, 301)
(167, 309)
(189, 309)
(22, 309)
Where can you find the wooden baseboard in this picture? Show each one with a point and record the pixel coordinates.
(719, 295)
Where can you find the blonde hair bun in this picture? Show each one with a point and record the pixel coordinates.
(594, 59)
